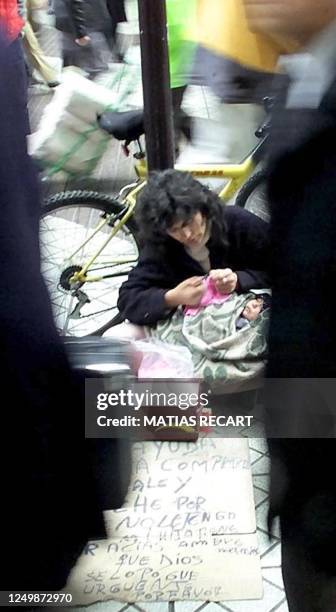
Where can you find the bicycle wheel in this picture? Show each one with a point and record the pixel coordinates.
(253, 197)
(68, 220)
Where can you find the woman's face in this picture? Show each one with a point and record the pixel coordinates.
(190, 232)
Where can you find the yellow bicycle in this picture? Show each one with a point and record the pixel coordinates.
(89, 241)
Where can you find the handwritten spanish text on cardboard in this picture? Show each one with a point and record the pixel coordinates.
(186, 531)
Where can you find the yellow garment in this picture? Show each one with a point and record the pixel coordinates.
(222, 27)
(35, 55)
(35, 4)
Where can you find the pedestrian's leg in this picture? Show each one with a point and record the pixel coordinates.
(182, 121)
(36, 57)
(113, 43)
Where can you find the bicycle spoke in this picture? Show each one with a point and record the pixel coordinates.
(63, 232)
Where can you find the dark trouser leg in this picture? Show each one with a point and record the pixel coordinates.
(307, 588)
(182, 121)
(113, 42)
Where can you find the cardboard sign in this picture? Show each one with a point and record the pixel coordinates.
(185, 532)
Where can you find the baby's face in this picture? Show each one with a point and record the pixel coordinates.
(252, 309)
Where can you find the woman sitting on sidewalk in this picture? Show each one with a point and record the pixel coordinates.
(199, 267)
(188, 233)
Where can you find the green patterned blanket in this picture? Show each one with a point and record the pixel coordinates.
(222, 355)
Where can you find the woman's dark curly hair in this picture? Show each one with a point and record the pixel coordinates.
(171, 196)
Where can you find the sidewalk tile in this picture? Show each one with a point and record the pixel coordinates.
(272, 597)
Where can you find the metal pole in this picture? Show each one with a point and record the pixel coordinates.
(158, 115)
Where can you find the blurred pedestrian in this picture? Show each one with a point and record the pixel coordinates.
(302, 340)
(34, 9)
(34, 54)
(180, 19)
(238, 66)
(116, 9)
(51, 504)
(85, 26)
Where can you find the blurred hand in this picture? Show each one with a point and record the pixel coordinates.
(83, 41)
(225, 280)
(187, 293)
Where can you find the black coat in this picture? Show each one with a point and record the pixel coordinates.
(302, 192)
(141, 298)
(51, 503)
(302, 339)
(80, 17)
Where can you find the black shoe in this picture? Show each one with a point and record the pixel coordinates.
(53, 84)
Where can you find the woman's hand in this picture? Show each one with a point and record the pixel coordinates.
(225, 280)
(187, 293)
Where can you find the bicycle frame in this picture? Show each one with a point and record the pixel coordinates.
(129, 205)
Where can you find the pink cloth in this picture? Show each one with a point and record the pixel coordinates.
(211, 296)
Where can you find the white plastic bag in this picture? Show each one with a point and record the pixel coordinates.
(69, 138)
(162, 360)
